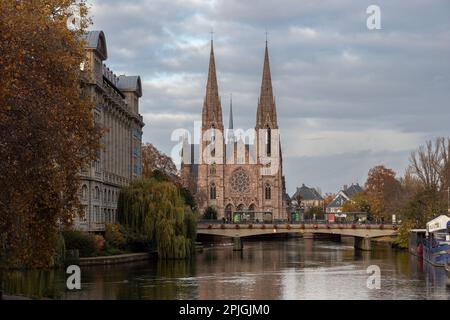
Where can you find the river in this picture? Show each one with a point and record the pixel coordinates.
(278, 269)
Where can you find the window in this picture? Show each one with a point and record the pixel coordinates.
(269, 142)
(213, 192)
(109, 196)
(97, 193)
(268, 192)
(84, 192)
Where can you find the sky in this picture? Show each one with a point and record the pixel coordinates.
(348, 98)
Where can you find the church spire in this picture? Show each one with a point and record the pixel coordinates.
(212, 110)
(267, 113)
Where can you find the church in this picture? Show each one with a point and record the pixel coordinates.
(238, 173)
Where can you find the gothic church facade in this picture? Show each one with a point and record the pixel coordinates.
(239, 175)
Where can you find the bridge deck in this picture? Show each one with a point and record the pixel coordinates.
(248, 230)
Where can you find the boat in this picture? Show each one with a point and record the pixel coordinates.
(436, 248)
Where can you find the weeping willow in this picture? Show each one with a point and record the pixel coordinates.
(156, 211)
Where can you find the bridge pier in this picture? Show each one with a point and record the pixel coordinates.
(363, 243)
(238, 245)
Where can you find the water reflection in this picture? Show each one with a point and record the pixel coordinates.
(281, 269)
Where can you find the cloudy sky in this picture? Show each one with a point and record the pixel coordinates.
(348, 98)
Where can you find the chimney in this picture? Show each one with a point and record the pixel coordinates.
(345, 187)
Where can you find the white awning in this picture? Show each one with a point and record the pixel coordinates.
(439, 223)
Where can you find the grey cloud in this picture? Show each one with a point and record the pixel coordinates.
(330, 74)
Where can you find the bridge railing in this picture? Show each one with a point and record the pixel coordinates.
(285, 222)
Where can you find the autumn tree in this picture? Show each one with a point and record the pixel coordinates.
(383, 191)
(47, 133)
(155, 160)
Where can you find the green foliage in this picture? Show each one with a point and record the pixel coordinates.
(318, 212)
(210, 214)
(154, 215)
(358, 203)
(60, 251)
(425, 205)
(402, 239)
(188, 198)
(160, 176)
(77, 240)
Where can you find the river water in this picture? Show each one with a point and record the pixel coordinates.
(279, 269)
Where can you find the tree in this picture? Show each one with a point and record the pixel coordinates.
(297, 200)
(154, 211)
(210, 214)
(427, 163)
(358, 203)
(47, 131)
(383, 191)
(154, 160)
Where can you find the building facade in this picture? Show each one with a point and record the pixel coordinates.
(346, 194)
(307, 198)
(237, 172)
(119, 159)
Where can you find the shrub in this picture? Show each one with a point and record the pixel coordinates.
(137, 243)
(114, 236)
(81, 241)
(210, 214)
(99, 243)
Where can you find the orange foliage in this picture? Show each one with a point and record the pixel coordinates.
(47, 132)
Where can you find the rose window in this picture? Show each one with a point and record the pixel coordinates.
(240, 182)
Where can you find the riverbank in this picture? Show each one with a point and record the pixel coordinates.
(117, 259)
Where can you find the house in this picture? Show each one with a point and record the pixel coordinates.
(308, 197)
(342, 197)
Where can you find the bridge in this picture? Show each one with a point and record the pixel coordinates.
(363, 233)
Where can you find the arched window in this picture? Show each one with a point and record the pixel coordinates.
(97, 193)
(84, 192)
(104, 195)
(109, 195)
(213, 192)
(268, 192)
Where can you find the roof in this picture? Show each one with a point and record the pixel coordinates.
(130, 83)
(345, 195)
(307, 193)
(96, 40)
(352, 190)
(338, 201)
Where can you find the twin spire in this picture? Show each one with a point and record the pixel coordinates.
(212, 109)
